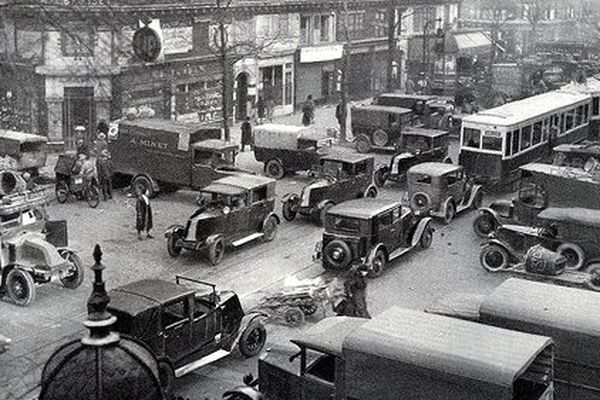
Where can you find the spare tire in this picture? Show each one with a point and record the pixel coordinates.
(573, 254)
(337, 255)
(420, 201)
(380, 138)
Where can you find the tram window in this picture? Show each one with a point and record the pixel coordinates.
(508, 143)
(569, 120)
(579, 116)
(471, 137)
(545, 130)
(586, 113)
(537, 133)
(492, 140)
(515, 142)
(562, 123)
(526, 137)
(596, 106)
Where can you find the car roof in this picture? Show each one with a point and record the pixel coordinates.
(349, 157)
(245, 181)
(139, 295)
(576, 215)
(591, 148)
(281, 128)
(167, 125)
(21, 137)
(563, 171)
(364, 208)
(214, 144)
(424, 132)
(328, 335)
(389, 109)
(434, 168)
(409, 96)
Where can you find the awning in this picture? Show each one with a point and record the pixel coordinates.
(468, 43)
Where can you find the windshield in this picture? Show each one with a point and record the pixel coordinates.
(331, 168)
(214, 158)
(232, 201)
(344, 224)
(416, 142)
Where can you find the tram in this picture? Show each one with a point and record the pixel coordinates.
(494, 143)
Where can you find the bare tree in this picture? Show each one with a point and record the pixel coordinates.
(395, 16)
(345, 71)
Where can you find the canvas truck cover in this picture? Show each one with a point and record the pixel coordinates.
(277, 136)
(426, 356)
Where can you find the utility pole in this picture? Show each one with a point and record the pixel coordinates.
(345, 70)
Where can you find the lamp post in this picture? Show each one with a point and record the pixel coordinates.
(426, 50)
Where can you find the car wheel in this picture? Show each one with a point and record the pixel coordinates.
(484, 224)
(62, 192)
(166, 375)
(293, 316)
(380, 138)
(216, 251)
(378, 264)
(574, 255)
(143, 183)
(92, 196)
(253, 339)
(323, 213)
(74, 277)
(426, 237)
(449, 212)
(477, 201)
(20, 287)
(172, 248)
(362, 144)
(593, 281)
(371, 193)
(270, 229)
(381, 176)
(274, 169)
(420, 201)
(309, 309)
(493, 258)
(337, 254)
(288, 213)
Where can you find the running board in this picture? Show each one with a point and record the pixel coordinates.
(247, 239)
(400, 251)
(212, 357)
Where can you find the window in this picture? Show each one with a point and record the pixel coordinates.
(289, 84)
(454, 177)
(579, 116)
(385, 220)
(586, 113)
(381, 26)
(305, 30)
(596, 106)
(561, 123)
(492, 140)
(526, 137)
(423, 179)
(508, 143)
(346, 224)
(471, 137)
(77, 43)
(569, 120)
(259, 194)
(175, 313)
(325, 24)
(323, 366)
(537, 133)
(515, 141)
(361, 168)
(356, 23)
(202, 157)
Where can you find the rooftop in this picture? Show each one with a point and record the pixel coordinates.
(245, 181)
(434, 168)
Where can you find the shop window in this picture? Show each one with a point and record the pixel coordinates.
(77, 43)
(471, 137)
(537, 133)
(515, 141)
(526, 137)
(325, 23)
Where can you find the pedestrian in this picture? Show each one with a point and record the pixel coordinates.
(101, 143)
(104, 169)
(308, 111)
(355, 288)
(410, 86)
(260, 108)
(143, 213)
(339, 114)
(81, 147)
(246, 134)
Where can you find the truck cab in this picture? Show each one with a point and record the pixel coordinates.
(211, 160)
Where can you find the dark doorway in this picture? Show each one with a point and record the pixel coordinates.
(326, 78)
(242, 96)
(78, 110)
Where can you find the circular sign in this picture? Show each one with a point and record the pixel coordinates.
(146, 44)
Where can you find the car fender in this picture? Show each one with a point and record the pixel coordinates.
(491, 212)
(447, 202)
(245, 322)
(173, 229)
(293, 197)
(371, 186)
(212, 239)
(271, 214)
(474, 192)
(374, 250)
(154, 183)
(421, 226)
(272, 158)
(513, 255)
(243, 392)
(322, 204)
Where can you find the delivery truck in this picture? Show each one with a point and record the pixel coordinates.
(165, 155)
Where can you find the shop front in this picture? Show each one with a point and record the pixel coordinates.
(21, 100)
(316, 73)
(367, 70)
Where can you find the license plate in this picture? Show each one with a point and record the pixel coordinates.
(78, 181)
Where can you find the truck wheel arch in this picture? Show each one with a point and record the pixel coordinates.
(154, 188)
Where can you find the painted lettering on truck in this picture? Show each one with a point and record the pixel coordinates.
(149, 143)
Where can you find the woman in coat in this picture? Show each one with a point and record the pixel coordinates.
(143, 214)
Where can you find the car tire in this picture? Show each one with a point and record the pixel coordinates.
(593, 281)
(494, 258)
(574, 255)
(293, 316)
(380, 138)
(343, 257)
(378, 264)
(426, 237)
(371, 192)
(92, 196)
(362, 144)
(172, 248)
(381, 176)
(449, 212)
(484, 224)
(166, 375)
(420, 201)
(274, 169)
(288, 213)
(20, 287)
(323, 213)
(216, 251)
(270, 228)
(477, 201)
(75, 278)
(144, 183)
(253, 339)
(62, 192)
(447, 160)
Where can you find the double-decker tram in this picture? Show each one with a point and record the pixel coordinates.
(494, 143)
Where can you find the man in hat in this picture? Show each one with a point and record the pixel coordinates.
(105, 173)
(143, 213)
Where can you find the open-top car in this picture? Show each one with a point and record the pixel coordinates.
(442, 190)
(232, 211)
(379, 127)
(576, 154)
(187, 323)
(371, 232)
(418, 145)
(342, 177)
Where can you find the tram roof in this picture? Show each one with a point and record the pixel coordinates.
(523, 110)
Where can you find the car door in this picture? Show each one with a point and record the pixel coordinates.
(238, 219)
(205, 324)
(363, 176)
(389, 229)
(176, 328)
(260, 206)
(454, 186)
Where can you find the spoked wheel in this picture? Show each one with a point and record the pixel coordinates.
(309, 309)
(270, 229)
(362, 144)
(20, 287)
(378, 264)
(426, 237)
(274, 169)
(73, 278)
(449, 212)
(381, 176)
(166, 376)
(216, 251)
(293, 316)
(484, 224)
(62, 192)
(287, 210)
(92, 196)
(253, 339)
(574, 255)
(493, 258)
(593, 281)
(172, 248)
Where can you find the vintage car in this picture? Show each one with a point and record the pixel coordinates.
(187, 323)
(232, 211)
(408, 354)
(418, 145)
(26, 152)
(371, 232)
(442, 190)
(33, 249)
(573, 233)
(288, 149)
(342, 177)
(379, 127)
(576, 154)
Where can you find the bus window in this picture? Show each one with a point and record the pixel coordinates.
(596, 106)
(492, 140)
(569, 120)
(545, 130)
(586, 113)
(525, 137)
(508, 144)
(471, 137)
(562, 123)
(537, 133)
(579, 116)
(515, 141)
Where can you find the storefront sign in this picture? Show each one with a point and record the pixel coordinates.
(177, 40)
(321, 53)
(146, 44)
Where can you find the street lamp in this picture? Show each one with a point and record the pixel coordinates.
(426, 43)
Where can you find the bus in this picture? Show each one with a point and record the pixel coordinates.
(494, 143)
